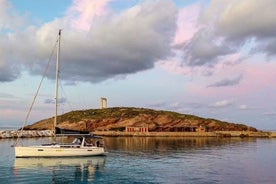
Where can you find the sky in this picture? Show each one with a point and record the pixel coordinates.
(210, 58)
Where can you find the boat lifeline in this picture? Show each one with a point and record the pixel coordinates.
(81, 146)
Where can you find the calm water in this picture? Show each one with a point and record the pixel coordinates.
(150, 160)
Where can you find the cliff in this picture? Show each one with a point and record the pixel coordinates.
(118, 118)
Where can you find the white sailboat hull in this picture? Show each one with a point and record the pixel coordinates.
(57, 151)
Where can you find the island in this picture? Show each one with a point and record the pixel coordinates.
(132, 121)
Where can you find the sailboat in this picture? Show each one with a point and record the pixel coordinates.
(81, 146)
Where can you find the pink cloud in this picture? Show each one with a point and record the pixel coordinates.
(83, 12)
(174, 67)
(258, 77)
(219, 104)
(258, 74)
(186, 23)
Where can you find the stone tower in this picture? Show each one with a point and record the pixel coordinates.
(103, 103)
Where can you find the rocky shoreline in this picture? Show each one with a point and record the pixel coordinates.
(9, 134)
(221, 134)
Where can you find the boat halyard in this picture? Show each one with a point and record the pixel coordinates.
(80, 147)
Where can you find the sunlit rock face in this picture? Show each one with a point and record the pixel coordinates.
(118, 118)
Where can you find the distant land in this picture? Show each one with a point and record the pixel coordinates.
(117, 118)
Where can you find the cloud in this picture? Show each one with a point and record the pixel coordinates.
(186, 23)
(267, 47)
(8, 74)
(9, 20)
(125, 44)
(6, 95)
(226, 27)
(83, 13)
(219, 104)
(117, 44)
(204, 49)
(227, 82)
(243, 107)
(173, 66)
(158, 104)
(269, 114)
(51, 101)
(239, 20)
(99, 44)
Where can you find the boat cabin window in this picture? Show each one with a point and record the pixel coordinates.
(77, 140)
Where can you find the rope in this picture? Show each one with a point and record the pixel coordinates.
(36, 94)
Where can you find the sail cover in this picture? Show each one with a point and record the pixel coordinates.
(62, 131)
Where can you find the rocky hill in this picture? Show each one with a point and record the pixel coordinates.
(118, 118)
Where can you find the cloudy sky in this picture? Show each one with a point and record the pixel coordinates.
(211, 58)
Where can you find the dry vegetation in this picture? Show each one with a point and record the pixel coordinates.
(118, 118)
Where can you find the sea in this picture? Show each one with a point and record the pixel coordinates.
(150, 160)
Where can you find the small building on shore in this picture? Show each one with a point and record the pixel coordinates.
(167, 129)
(137, 129)
(176, 129)
(201, 129)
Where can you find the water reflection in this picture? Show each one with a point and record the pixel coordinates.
(150, 160)
(59, 169)
(168, 145)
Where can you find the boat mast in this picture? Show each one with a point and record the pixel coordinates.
(56, 90)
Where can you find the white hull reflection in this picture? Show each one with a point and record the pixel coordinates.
(29, 163)
(62, 170)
